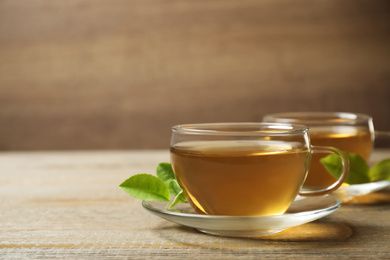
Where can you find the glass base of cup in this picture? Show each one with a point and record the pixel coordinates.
(238, 233)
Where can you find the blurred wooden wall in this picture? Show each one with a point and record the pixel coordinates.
(97, 74)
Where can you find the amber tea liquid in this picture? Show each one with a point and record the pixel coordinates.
(241, 178)
(351, 139)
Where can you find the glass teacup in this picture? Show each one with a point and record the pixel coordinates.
(346, 131)
(245, 169)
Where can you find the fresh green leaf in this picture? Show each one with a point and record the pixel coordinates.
(174, 187)
(332, 164)
(358, 168)
(178, 199)
(149, 187)
(380, 171)
(146, 187)
(165, 172)
(177, 191)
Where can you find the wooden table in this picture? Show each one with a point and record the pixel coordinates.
(68, 205)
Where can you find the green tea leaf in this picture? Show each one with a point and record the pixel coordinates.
(177, 191)
(358, 168)
(380, 171)
(149, 187)
(332, 164)
(165, 172)
(178, 199)
(146, 187)
(174, 187)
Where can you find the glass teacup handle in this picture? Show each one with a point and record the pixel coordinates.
(382, 134)
(339, 181)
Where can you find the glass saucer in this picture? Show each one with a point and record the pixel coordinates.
(346, 193)
(302, 210)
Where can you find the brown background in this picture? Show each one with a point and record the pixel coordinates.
(117, 74)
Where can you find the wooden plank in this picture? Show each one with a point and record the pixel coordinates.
(97, 74)
(68, 205)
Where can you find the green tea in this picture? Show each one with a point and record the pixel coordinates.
(241, 178)
(350, 139)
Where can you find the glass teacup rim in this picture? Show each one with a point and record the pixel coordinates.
(317, 118)
(258, 129)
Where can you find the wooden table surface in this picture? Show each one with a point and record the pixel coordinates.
(68, 205)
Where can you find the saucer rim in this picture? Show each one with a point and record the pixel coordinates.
(346, 193)
(248, 226)
(333, 207)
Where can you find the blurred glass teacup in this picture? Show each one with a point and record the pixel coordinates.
(245, 169)
(346, 131)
